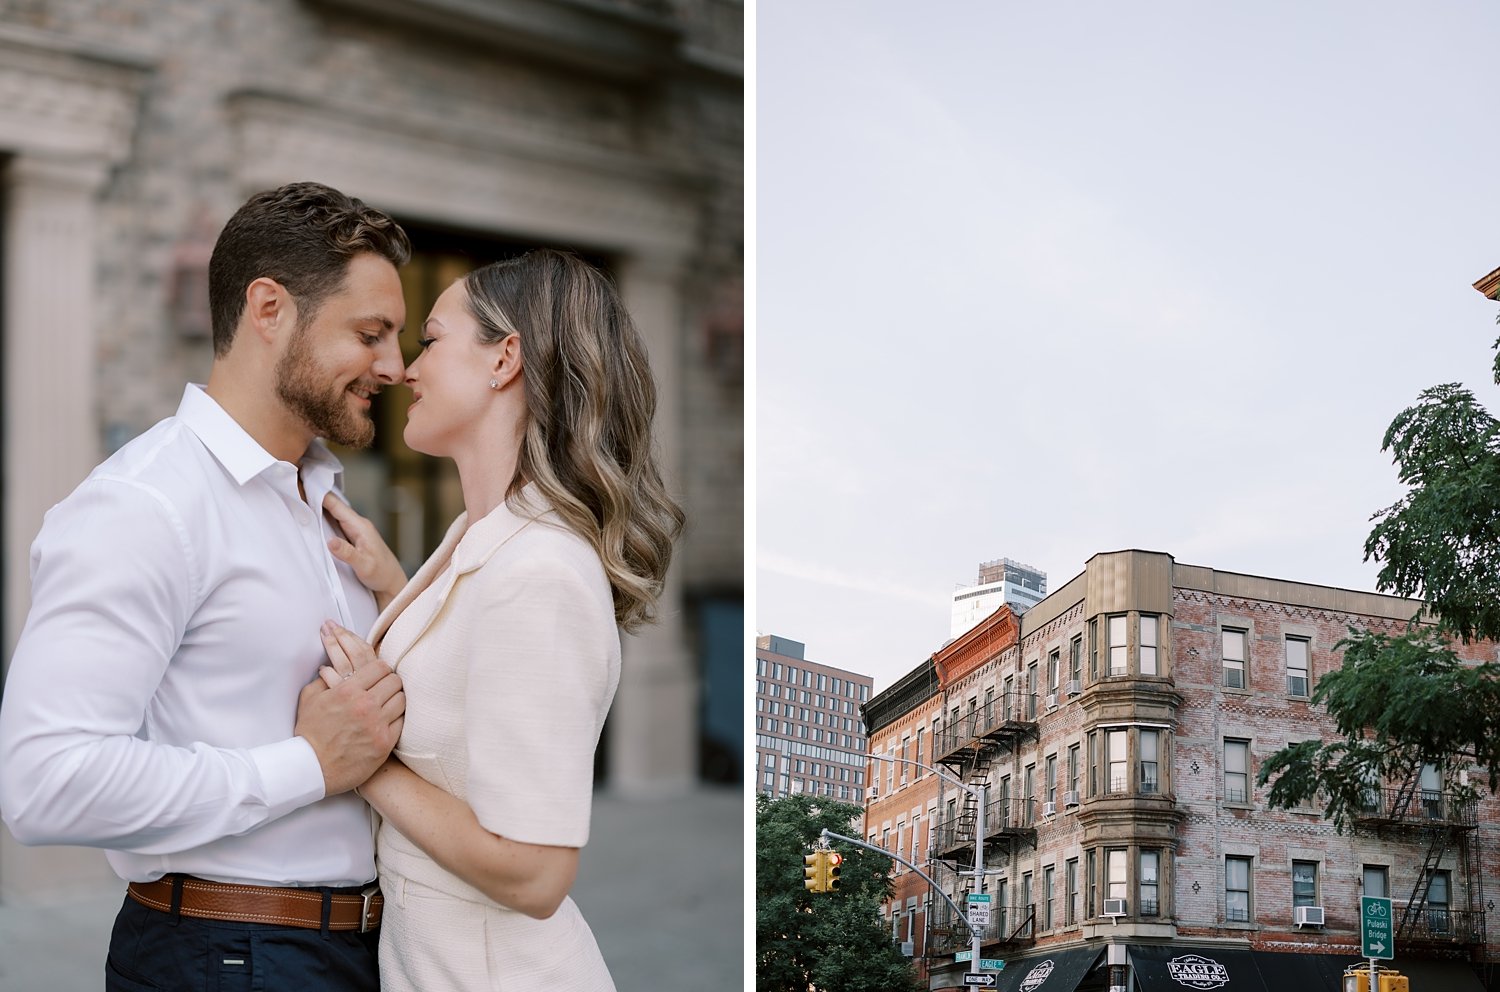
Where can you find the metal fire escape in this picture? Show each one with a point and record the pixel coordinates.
(1443, 822)
(970, 747)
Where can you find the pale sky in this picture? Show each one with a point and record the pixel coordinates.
(1043, 280)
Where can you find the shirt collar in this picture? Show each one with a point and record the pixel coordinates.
(239, 453)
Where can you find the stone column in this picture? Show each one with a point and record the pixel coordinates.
(51, 434)
(653, 730)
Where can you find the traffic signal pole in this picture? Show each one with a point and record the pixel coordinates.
(975, 933)
(977, 791)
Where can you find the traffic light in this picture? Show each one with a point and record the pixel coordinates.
(814, 872)
(832, 860)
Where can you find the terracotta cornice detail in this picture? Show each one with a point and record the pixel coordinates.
(984, 642)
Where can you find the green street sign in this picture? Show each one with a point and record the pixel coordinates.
(993, 964)
(1376, 937)
(963, 956)
(983, 897)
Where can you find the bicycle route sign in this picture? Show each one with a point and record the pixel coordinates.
(1376, 938)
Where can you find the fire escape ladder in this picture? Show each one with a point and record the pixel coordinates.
(1442, 838)
(1401, 804)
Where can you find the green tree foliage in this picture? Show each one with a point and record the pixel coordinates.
(1403, 701)
(1399, 702)
(833, 942)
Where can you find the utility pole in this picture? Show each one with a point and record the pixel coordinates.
(978, 792)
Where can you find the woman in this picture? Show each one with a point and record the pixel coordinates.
(533, 380)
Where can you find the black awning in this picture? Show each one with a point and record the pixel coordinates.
(1059, 971)
(1168, 968)
(1312, 972)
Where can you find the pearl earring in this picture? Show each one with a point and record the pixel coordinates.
(494, 383)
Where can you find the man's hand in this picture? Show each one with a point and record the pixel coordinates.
(365, 551)
(352, 714)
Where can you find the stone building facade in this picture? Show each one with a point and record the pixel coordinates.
(131, 129)
(1118, 734)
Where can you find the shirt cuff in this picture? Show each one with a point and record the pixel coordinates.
(290, 775)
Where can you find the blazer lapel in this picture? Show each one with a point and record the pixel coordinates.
(413, 588)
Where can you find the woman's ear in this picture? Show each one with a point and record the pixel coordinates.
(507, 364)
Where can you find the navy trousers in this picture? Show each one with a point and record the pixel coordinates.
(152, 951)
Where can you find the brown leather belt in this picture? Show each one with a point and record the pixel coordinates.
(207, 900)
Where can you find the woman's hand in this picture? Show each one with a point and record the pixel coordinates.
(364, 551)
(347, 653)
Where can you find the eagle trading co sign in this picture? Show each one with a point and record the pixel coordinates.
(1197, 972)
(1036, 976)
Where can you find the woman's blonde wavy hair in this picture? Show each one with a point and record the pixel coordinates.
(590, 398)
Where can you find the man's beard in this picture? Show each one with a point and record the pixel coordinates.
(305, 388)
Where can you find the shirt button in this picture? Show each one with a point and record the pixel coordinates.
(304, 515)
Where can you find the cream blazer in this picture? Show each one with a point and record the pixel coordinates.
(508, 650)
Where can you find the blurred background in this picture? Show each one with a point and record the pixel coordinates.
(131, 129)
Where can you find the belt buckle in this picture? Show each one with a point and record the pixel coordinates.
(366, 897)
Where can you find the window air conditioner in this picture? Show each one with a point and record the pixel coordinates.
(908, 948)
(1049, 809)
(1075, 687)
(1052, 700)
(1070, 798)
(1308, 916)
(1114, 907)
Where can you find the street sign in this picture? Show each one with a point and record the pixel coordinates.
(984, 979)
(962, 956)
(1375, 936)
(993, 964)
(979, 909)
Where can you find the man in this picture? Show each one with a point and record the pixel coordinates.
(163, 700)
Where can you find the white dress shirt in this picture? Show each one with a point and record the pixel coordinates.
(175, 606)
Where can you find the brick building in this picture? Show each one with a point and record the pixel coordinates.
(809, 734)
(1118, 726)
(130, 130)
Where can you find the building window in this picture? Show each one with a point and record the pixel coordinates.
(1304, 883)
(1093, 763)
(1114, 750)
(1054, 666)
(1431, 784)
(1237, 890)
(1031, 691)
(1007, 699)
(1150, 744)
(1004, 802)
(1438, 919)
(1150, 868)
(1236, 771)
(1075, 659)
(1119, 653)
(1047, 880)
(1073, 768)
(1028, 810)
(1070, 885)
(1148, 644)
(917, 771)
(1028, 908)
(1091, 879)
(1003, 909)
(1234, 659)
(1093, 650)
(760, 666)
(1296, 666)
(905, 743)
(1114, 868)
(1051, 778)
